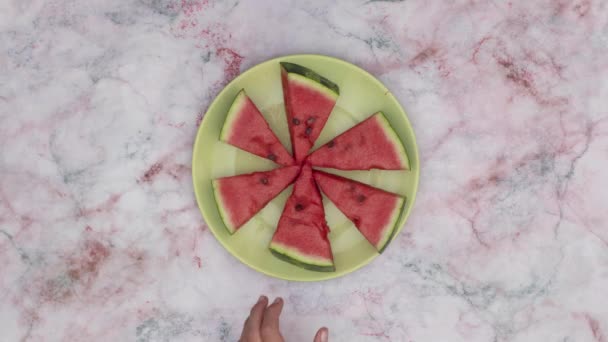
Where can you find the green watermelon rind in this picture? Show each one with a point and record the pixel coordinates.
(219, 201)
(311, 78)
(392, 136)
(291, 256)
(384, 242)
(232, 115)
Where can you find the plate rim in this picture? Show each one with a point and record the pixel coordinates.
(323, 276)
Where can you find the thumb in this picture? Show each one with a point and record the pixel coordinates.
(322, 335)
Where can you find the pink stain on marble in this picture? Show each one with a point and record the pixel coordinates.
(441, 140)
(167, 165)
(199, 118)
(372, 326)
(198, 261)
(232, 62)
(73, 280)
(506, 100)
(164, 119)
(594, 325)
(218, 38)
(183, 240)
(105, 207)
(151, 173)
(80, 104)
(215, 36)
(82, 270)
(167, 214)
(191, 7)
(177, 171)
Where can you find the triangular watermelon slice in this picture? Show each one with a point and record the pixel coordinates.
(301, 236)
(374, 212)
(309, 99)
(372, 144)
(246, 128)
(240, 197)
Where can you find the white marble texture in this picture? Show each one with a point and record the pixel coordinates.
(100, 236)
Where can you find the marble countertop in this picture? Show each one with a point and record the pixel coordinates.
(101, 238)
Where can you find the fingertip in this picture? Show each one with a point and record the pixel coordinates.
(254, 321)
(322, 335)
(258, 308)
(277, 305)
(270, 323)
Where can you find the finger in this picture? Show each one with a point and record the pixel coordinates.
(270, 323)
(322, 335)
(254, 321)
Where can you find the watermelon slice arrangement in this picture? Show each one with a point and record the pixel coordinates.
(302, 235)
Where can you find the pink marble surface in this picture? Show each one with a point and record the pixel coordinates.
(100, 237)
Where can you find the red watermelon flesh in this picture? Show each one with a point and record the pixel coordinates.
(309, 99)
(246, 128)
(374, 212)
(301, 235)
(240, 197)
(372, 144)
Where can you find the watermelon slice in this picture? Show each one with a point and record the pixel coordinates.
(240, 197)
(246, 128)
(309, 100)
(372, 144)
(374, 212)
(301, 236)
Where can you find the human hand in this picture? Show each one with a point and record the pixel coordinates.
(262, 325)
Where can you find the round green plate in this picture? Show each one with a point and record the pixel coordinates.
(360, 96)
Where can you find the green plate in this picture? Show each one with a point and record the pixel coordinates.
(360, 96)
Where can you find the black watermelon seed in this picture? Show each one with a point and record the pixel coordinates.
(308, 130)
(361, 198)
(264, 180)
(310, 120)
(272, 157)
(295, 121)
(299, 207)
(331, 144)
